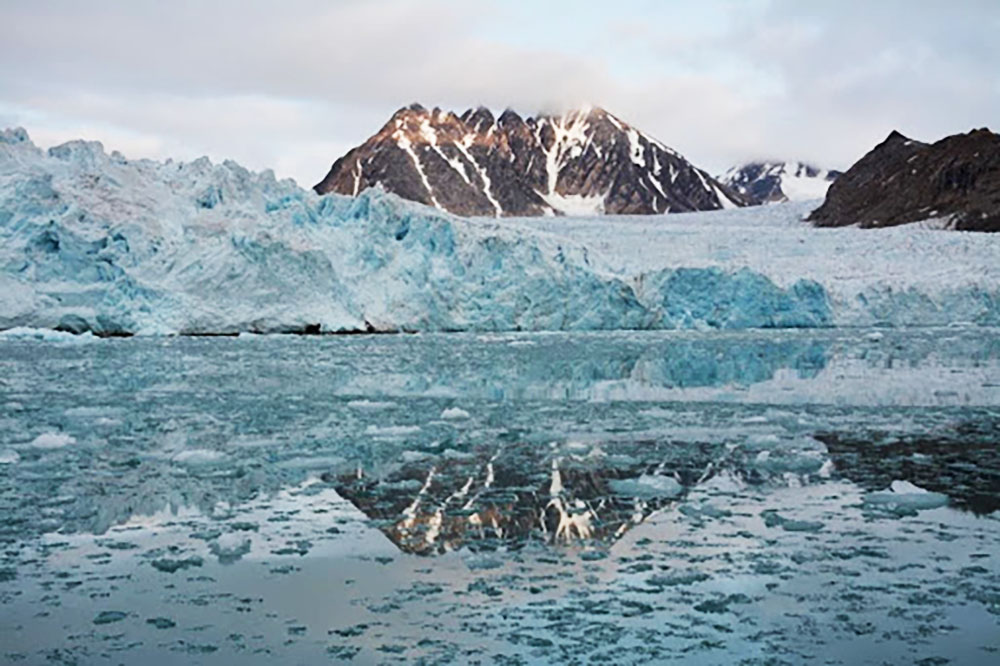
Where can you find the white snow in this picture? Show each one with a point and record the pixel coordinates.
(404, 143)
(797, 186)
(635, 148)
(463, 147)
(570, 135)
(357, 177)
(725, 202)
(793, 177)
(576, 204)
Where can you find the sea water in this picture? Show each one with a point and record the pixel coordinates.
(823, 496)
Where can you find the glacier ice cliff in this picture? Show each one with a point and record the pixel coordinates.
(97, 242)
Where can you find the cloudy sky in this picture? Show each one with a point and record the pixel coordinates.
(292, 85)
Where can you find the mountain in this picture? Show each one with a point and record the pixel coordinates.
(585, 162)
(955, 180)
(774, 182)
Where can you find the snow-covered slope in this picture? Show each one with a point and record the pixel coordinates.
(90, 241)
(774, 182)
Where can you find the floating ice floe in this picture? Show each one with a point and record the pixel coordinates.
(230, 547)
(647, 485)
(52, 440)
(906, 496)
(391, 431)
(198, 457)
(454, 414)
(372, 405)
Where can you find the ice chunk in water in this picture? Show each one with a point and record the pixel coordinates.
(9, 457)
(197, 457)
(391, 430)
(373, 405)
(52, 440)
(647, 485)
(455, 414)
(907, 496)
(230, 547)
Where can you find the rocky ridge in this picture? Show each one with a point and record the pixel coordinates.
(955, 182)
(584, 162)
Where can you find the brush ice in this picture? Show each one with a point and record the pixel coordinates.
(97, 243)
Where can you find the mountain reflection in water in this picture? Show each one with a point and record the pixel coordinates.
(512, 494)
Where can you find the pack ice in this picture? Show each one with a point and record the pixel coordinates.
(97, 242)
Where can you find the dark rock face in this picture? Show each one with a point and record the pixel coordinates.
(956, 180)
(775, 182)
(582, 162)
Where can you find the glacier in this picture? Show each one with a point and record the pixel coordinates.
(97, 243)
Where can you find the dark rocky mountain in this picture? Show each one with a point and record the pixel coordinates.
(584, 162)
(775, 182)
(955, 180)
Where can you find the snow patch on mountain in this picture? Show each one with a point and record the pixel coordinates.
(775, 182)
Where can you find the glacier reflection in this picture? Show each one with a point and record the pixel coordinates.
(195, 422)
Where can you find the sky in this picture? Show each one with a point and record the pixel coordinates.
(293, 85)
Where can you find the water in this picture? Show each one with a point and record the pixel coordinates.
(692, 497)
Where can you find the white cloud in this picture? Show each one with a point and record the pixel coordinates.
(293, 87)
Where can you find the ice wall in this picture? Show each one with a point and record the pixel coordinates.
(91, 241)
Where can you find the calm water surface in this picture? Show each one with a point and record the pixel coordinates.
(698, 497)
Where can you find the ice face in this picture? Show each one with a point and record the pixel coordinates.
(92, 242)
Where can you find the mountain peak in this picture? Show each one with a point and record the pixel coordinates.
(901, 180)
(509, 117)
(584, 161)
